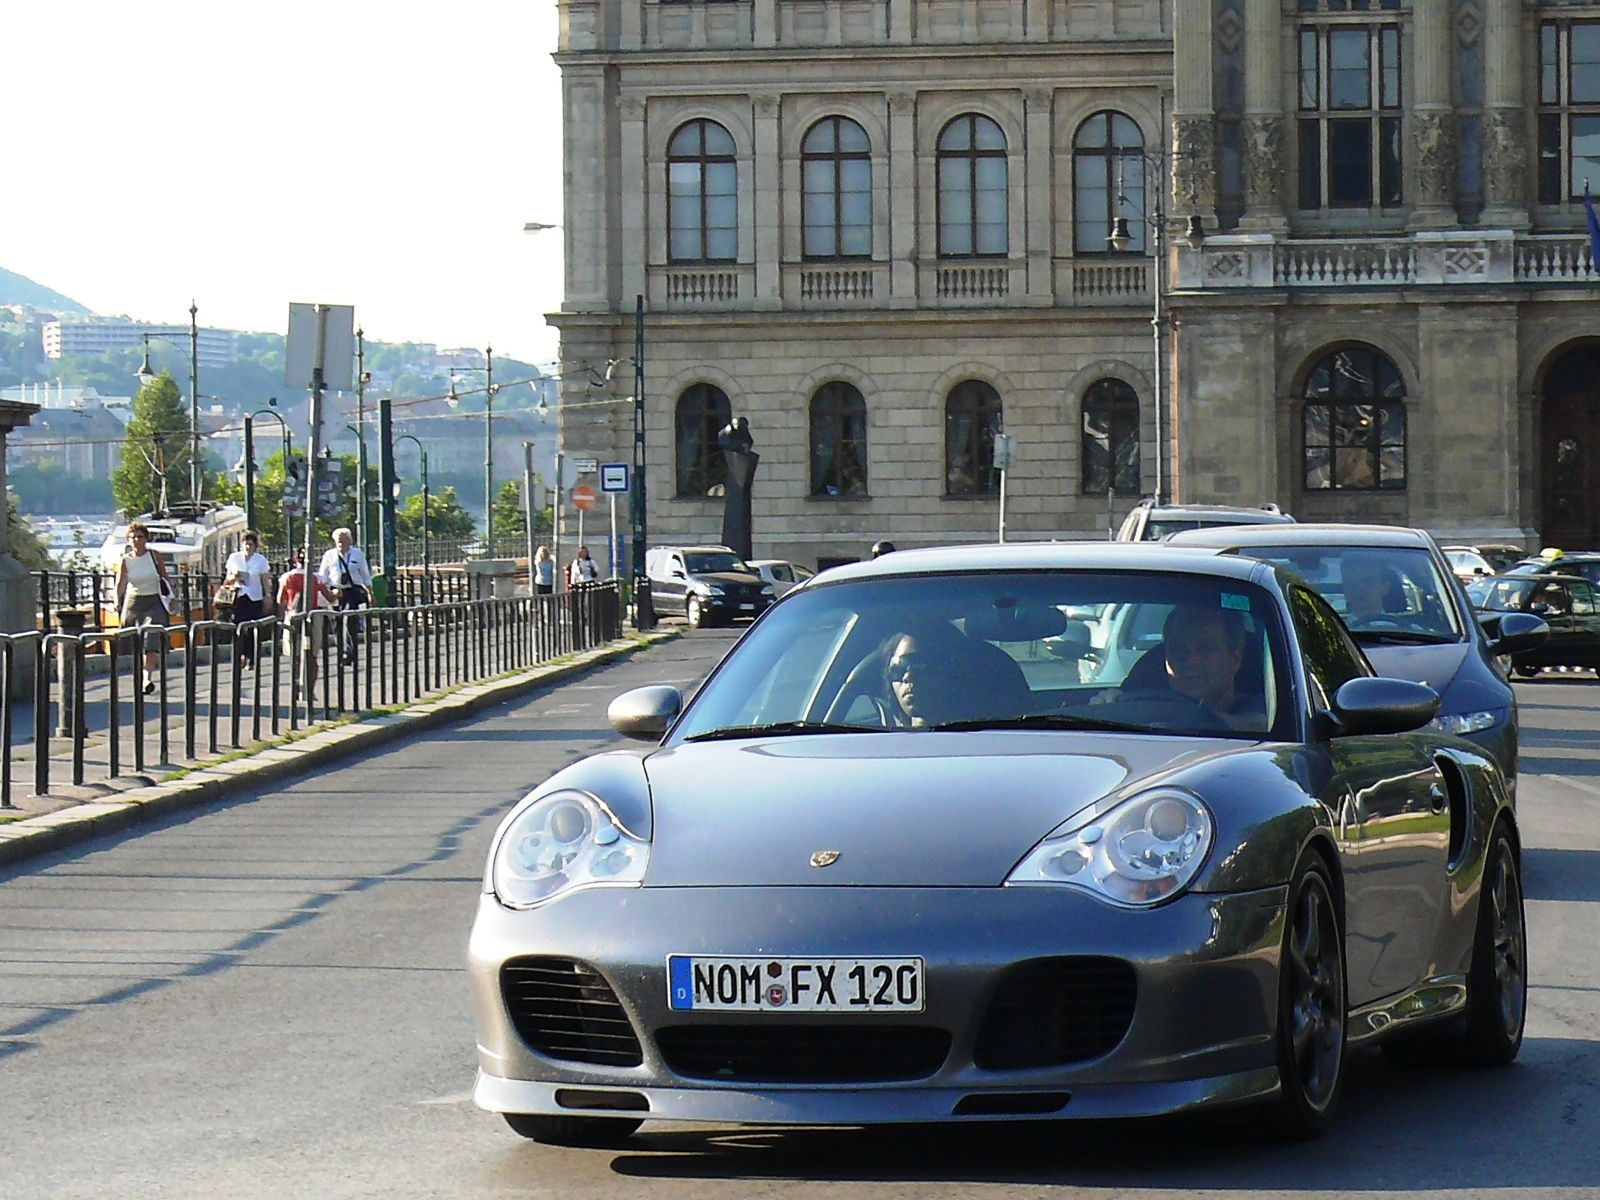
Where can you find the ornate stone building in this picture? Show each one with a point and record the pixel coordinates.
(880, 230)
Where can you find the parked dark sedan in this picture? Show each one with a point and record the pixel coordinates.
(896, 861)
(1407, 611)
(1566, 603)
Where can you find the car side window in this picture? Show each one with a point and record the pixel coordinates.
(1331, 658)
(1582, 599)
(782, 574)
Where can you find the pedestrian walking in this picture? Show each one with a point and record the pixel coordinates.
(344, 571)
(143, 594)
(544, 572)
(249, 573)
(290, 588)
(582, 569)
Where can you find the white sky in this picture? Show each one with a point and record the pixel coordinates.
(247, 154)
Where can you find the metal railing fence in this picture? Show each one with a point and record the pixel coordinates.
(307, 668)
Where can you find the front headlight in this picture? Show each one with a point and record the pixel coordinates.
(1141, 852)
(768, 591)
(705, 589)
(1461, 724)
(563, 841)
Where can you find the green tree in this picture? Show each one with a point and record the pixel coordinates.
(511, 518)
(447, 519)
(21, 541)
(154, 472)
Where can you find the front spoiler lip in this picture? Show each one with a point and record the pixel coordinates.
(882, 1105)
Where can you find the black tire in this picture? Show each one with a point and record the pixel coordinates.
(573, 1131)
(1497, 985)
(1311, 1007)
(694, 612)
(1527, 672)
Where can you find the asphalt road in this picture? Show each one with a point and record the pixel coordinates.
(266, 999)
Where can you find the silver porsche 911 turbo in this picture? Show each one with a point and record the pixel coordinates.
(904, 857)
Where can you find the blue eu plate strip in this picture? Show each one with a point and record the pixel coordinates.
(680, 982)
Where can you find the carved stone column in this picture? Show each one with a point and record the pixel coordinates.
(767, 246)
(1432, 144)
(1507, 163)
(903, 197)
(1193, 173)
(1263, 121)
(633, 171)
(1039, 160)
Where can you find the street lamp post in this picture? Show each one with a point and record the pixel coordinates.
(489, 390)
(363, 377)
(1120, 238)
(245, 470)
(427, 586)
(146, 375)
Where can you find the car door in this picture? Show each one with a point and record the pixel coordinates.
(1586, 624)
(1392, 823)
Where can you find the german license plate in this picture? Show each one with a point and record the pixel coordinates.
(794, 984)
(747, 606)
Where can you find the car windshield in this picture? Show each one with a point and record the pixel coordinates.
(1468, 562)
(1384, 593)
(1508, 593)
(1144, 652)
(706, 562)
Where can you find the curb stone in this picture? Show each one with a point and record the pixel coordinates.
(205, 783)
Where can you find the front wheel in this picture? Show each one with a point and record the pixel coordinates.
(1526, 672)
(696, 613)
(573, 1131)
(1311, 1007)
(1497, 985)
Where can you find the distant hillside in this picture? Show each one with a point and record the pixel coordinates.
(19, 289)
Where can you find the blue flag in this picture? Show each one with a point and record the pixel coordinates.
(1594, 228)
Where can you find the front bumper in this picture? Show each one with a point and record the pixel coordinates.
(1201, 1033)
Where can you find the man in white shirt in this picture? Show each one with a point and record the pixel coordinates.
(345, 572)
(249, 570)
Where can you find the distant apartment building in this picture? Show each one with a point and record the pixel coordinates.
(214, 347)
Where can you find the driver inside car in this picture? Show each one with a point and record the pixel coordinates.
(1371, 592)
(1201, 654)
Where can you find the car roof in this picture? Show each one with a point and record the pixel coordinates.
(1301, 534)
(706, 548)
(1539, 577)
(1042, 556)
(1243, 514)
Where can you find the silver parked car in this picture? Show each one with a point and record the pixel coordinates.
(898, 860)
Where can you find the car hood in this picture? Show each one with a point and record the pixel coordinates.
(1435, 666)
(727, 577)
(901, 809)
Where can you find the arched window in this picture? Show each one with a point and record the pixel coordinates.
(836, 190)
(1110, 439)
(702, 195)
(838, 441)
(1107, 182)
(1355, 423)
(972, 417)
(703, 410)
(972, 189)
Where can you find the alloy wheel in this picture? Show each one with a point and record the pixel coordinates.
(1316, 989)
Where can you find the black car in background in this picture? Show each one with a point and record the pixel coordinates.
(1395, 591)
(1583, 563)
(1566, 603)
(706, 585)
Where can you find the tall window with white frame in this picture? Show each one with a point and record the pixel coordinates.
(1107, 182)
(973, 193)
(836, 190)
(1354, 423)
(1569, 110)
(1349, 105)
(702, 195)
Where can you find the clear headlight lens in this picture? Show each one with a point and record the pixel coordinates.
(706, 589)
(1145, 850)
(1461, 724)
(768, 591)
(563, 841)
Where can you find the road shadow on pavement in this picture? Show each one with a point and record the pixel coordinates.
(1572, 875)
(1388, 1117)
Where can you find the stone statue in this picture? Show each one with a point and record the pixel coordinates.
(1504, 157)
(1434, 141)
(1193, 169)
(737, 445)
(1263, 163)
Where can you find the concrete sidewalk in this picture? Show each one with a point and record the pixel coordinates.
(129, 800)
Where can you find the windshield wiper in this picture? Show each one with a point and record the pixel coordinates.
(779, 729)
(1044, 721)
(1400, 637)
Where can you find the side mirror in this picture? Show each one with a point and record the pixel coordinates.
(677, 572)
(645, 713)
(1518, 633)
(1383, 706)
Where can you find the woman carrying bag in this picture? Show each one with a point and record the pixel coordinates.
(143, 595)
(245, 588)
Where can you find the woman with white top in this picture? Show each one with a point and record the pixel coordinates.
(249, 571)
(140, 576)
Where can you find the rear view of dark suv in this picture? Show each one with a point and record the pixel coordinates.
(1150, 522)
(706, 585)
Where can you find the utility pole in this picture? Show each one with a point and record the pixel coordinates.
(361, 442)
(488, 451)
(644, 613)
(194, 404)
(388, 554)
(527, 508)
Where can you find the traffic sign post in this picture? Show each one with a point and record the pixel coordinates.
(583, 499)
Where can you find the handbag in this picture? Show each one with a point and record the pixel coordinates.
(167, 599)
(227, 593)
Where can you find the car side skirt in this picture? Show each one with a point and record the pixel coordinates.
(1432, 1000)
